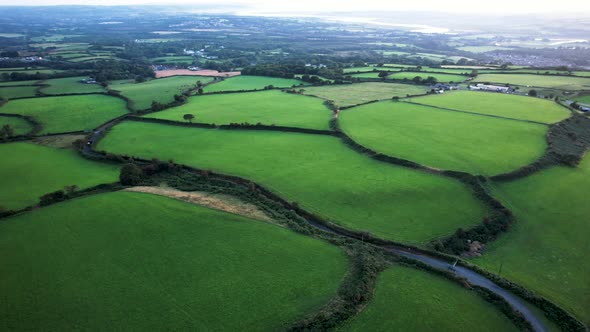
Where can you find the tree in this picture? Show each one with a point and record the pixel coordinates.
(533, 93)
(70, 189)
(188, 117)
(156, 106)
(200, 91)
(6, 131)
(383, 74)
(131, 175)
(56, 196)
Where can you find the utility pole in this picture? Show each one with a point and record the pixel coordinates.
(500, 271)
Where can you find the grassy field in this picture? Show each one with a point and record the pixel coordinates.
(408, 299)
(583, 99)
(18, 83)
(11, 35)
(19, 125)
(445, 139)
(33, 71)
(91, 58)
(266, 107)
(372, 68)
(440, 77)
(161, 90)
(446, 70)
(68, 113)
(71, 55)
(29, 171)
(130, 261)
(59, 86)
(352, 94)
(373, 74)
(318, 172)
(251, 83)
(582, 73)
(548, 245)
(17, 92)
(483, 49)
(174, 59)
(544, 81)
(505, 105)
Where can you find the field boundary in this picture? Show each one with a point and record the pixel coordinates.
(36, 126)
(234, 126)
(567, 143)
(474, 113)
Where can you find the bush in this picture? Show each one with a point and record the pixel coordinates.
(54, 197)
(131, 175)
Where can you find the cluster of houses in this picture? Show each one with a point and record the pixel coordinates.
(88, 81)
(200, 53)
(493, 88)
(442, 87)
(32, 58)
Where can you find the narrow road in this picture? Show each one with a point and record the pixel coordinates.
(477, 279)
(471, 276)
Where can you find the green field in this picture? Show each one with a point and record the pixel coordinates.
(18, 83)
(266, 107)
(407, 299)
(18, 92)
(20, 126)
(548, 246)
(445, 139)
(409, 75)
(187, 60)
(358, 93)
(71, 55)
(482, 49)
(11, 35)
(368, 68)
(58, 86)
(91, 58)
(582, 73)
(53, 38)
(32, 71)
(499, 104)
(68, 113)
(446, 70)
(582, 99)
(130, 261)
(544, 81)
(373, 74)
(318, 172)
(252, 83)
(29, 171)
(161, 90)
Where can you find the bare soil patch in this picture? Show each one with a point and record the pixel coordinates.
(214, 201)
(58, 141)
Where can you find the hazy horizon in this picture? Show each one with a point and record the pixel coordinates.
(333, 6)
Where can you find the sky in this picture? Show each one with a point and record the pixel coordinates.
(278, 6)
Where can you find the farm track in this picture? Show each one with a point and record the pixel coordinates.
(470, 275)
